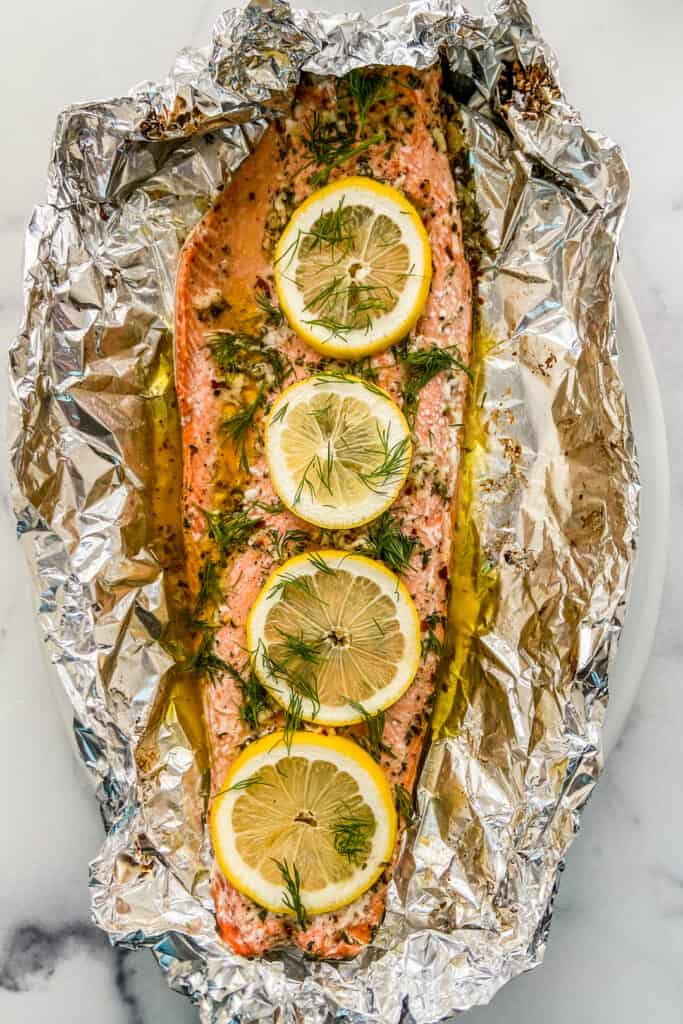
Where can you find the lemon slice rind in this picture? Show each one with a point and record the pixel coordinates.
(345, 756)
(382, 330)
(342, 713)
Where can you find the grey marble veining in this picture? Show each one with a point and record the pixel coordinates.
(616, 943)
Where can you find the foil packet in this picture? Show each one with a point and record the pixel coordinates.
(551, 526)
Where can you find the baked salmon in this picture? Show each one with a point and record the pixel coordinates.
(392, 129)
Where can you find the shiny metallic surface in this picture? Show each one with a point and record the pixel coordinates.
(554, 505)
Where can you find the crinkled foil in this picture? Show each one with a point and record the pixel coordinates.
(553, 515)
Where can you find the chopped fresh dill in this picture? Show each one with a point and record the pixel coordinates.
(205, 660)
(291, 896)
(422, 366)
(281, 413)
(281, 540)
(393, 464)
(332, 144)
(296, 646)
(352, 836)
(374, 724)
(254, 696)
(385, 542)
(326, 140)
(287, 582)
(348, 378)
(293, 717)
(231, 530)
(299, 686)
(317, 467)
(246, 353)
(272, 314)
(366, 88)
(251, 780)
(209, 587)
(359, 301)
(317, 560)
(239, 425)
(431, 643)
(404, 802)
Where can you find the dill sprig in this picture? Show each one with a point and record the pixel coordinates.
(360, 300)
(404, 802)
(210, 592)
(237, 352)
(342, 156)
(293, 719)
(317, 560)
(299, 686)
(351, 377)
(255, 698)
(366, 88)
(422, 366)
(251, 780)
(239, 425)
(332, 144)
(374, 724)
(431, 643)
(326, 139)
(297, 646)
(230, 530)
(205, 660)
(272, 314)
(385, 542)
(316, 467)
(280, 541)
(352, 836)
(291, 896)
(393, 464)
(287, 582)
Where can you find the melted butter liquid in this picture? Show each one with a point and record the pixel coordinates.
(474, 586)
(180, 701)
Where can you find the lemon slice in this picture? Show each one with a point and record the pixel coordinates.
(353, 268)
(338, 450)
(335, 636)
(303, 829)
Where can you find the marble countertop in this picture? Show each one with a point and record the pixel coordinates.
(617, 938)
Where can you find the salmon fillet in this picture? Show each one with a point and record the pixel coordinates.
(225, 284)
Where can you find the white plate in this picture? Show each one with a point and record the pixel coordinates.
(647, 417)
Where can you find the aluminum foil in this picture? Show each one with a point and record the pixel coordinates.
(553, 514)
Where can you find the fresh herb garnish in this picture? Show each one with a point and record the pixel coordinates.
(281, 540)
(393, 464)
(431, 643)
(422, 366)
(209, 587)
(374, 724)
(385, 542)
(239, 425)
(287, 582)
(352, 836)
(404, 802)
(293, 718)
(254, 696)
(280, 668)
(291, 897)
(251, 780)
(205, 660)
(366, 88)
(272, 314)
(230, 530)
(246, 353)
(317, 560)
